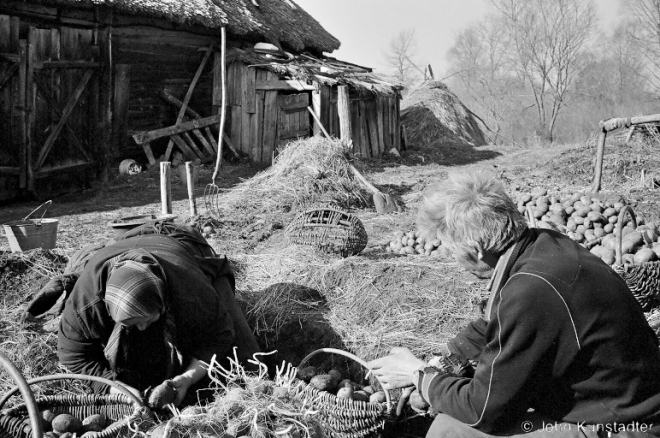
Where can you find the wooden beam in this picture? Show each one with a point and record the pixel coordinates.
(187, 152)
(272, 85)
(186, 99)
(344, 110)
(191, 143)
(149, 153)
(77, 165)
(71, 104)
(147, 136)
(42, 65)
(203, 141)
(6, 170)
(7, 76)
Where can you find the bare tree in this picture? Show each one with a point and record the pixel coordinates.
(646, 33)
(401, 58)
(481, 69)
(547, 43)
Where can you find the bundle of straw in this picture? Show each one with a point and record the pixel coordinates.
(306, 172)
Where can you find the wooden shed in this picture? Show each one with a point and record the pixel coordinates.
(85, 83)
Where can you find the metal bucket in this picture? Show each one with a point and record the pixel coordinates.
(29, 233)
(129, 167)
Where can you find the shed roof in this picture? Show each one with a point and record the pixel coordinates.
(279, 21)
(321, 70)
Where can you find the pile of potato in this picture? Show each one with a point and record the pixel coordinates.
(333, 383)
(68, 426)
(412, 243)
(591, 222)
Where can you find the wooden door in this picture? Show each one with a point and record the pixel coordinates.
(48, 114)
(293, 118)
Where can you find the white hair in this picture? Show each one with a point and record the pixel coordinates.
(468, 209)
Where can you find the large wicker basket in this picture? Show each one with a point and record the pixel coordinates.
(642, 279)
(341, 417)
(24, 420)
(330, 230)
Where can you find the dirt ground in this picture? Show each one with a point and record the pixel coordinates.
(340, 303)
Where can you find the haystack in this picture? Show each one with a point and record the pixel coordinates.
(431, 113)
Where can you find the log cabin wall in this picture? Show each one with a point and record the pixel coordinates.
(265, 112)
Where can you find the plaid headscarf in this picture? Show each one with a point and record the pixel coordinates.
(135, 288)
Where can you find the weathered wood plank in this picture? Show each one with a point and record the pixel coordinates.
(5, 33)
(20, 116)
(249, 91)
(66, 65)
(365, 147)
(149, 153)
(8, 170)
(273, 85)
(236, 117)
(372, 121)
(344, 111)
(191, 143)
(397, 124)
(31, 107)
(271, 113)
(148, 136)
(202, 140)
(187, 152)
(121, 100)
(380, 120)
(295, 134)
(9, 72)
(297, 103)
(217, 80)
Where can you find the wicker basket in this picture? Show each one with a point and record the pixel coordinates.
(341, 417)
(330, 230)
(642, 279)
(24, 420)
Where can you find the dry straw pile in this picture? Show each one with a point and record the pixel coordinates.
(306, 172)
(371, 302)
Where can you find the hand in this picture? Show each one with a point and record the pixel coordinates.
(396, 370)
(181, 384)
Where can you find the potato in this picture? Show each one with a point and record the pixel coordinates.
(609, 212)
(608, 256)
(569, 210)
(609, 241)
(360, 396)
(208, 230)
(596, 207)
(162, 395)
(585, 200)
(345, 392)
(649, 236)
(525, 198)
(631, 241)
(618, 206)
(594, 216)
(613, 219)
(596, 250)
(66, 423)
(522, 209)
(411, 235)
(94, 423)
(411, 243)
(578, 220)
(398, 233)
(542, 207)
(571, 225)
(369, 389)
(599, 232)
(324, 382)
(583, 211)
(608, 228)
(645, 255)
(542, 200)
(47, 417)
(377, 397)
(347, 383)
(538, 191)
(579, 237)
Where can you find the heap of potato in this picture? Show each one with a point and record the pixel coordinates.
(412, 243)
(68, 426)
(591, 222)
(333, 383)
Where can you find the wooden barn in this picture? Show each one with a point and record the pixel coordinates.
(86, 83)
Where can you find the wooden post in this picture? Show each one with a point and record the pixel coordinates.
(595, 186)
(191, 188)
(344, 110)
(165, 187)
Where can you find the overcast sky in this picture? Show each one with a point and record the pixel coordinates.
(366, 27)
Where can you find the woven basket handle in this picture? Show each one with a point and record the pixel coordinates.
(388, 399)
(619, 226)
(26, 392)
(531, 219)
(135, 399)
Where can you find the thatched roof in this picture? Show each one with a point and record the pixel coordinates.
(431, 113)
(277, 21)
(321, 70)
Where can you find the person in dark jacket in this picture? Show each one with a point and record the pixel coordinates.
(563, 348)
(154, 306)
